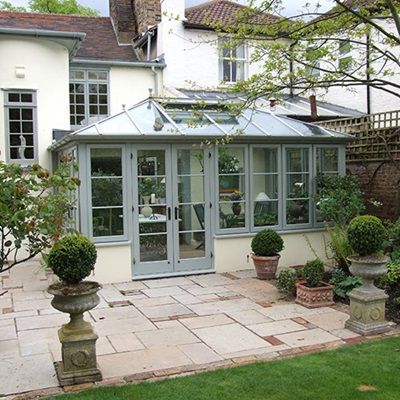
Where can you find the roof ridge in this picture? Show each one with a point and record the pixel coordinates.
(50, 15)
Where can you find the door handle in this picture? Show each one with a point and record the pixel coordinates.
(176, 213)
(169, 213)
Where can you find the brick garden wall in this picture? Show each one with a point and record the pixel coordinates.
(380, 181)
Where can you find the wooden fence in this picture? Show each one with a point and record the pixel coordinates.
(377, 136)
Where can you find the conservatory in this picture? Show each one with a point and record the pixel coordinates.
(173, 187)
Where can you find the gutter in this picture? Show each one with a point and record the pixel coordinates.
(116, 63)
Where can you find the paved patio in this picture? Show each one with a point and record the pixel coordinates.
(158, 327)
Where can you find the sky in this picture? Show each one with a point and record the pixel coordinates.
(291, 6)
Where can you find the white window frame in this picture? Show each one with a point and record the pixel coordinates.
(232, 61)
(86, 81)
(21, 105)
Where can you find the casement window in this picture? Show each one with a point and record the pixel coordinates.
(21, 126)
(345, 58)
(88, 96)
(233, 60)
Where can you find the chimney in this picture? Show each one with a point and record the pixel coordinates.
(147, 13)
(123, 17)
(313, 107)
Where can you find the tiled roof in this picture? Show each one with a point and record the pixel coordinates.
(100, 42)
(221, 12)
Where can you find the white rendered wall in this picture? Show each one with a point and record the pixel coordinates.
(231, 253)
(113, 263)
(46, 71)
(129, 86)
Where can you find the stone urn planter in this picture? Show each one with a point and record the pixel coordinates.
(266, 246)
(78, 340)
(266, 267)
(366, 235)
(311, 291)
(367, 302)
(72, 259)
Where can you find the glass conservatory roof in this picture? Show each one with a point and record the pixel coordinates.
(191, 118)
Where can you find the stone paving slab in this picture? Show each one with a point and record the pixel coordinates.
(161, 327)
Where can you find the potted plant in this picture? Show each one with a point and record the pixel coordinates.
(72, 259)
(367, 237)
(235, 197)
(313, 292)
(286, 282)
(266, 246)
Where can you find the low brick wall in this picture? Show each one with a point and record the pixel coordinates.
(380, 181)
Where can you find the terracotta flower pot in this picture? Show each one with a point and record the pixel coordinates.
(266, 266)
(313, 297)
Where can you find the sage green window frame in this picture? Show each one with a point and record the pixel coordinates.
(86, 81)
(21, 105)
(278, 174)
(89, 216)
(246, 179)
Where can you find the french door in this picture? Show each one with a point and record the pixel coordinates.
(171, 210)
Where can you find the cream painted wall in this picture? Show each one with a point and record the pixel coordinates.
(231, 254)
(113, 264)
(129, 86)
(47, 68)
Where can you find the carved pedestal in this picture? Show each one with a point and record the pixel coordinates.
(367, 312)
(78, 348)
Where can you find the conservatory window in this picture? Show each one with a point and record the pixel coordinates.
(265, 186)
(88, 95)
(232, 187)
(107, 192)
(232, 61)
(298, 185)
(21, 131)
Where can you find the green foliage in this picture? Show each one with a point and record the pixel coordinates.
(34, 207)
(394, 232)
(342, 283)
(286, 281)
(72, 258)
(392, 276)
(227, 163)
(52, 7)
(266, 243)
(339, 244)
(367, 235)
(313, 272)
(339, 199)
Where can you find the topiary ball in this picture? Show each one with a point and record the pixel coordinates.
(313, 272)
(367, 235)
(72, 258)
(266, 243)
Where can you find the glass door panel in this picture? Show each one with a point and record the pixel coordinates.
(191, 209)
(154, 212)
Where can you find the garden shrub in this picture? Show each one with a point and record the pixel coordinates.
(286, 281)
(342, 283)
(72, 258)
(266, 243)
(367, 235)
(313, 272)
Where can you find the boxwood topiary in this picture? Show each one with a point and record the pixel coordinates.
(367, 235)
(313, 272)
(286, 281)
(72, 258)
(266, 243)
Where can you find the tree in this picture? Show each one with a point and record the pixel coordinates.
(52, 7)
(34, 207)
(301, 52)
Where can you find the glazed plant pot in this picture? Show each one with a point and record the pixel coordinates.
(266, 266)
(313, 297)
(78, 340)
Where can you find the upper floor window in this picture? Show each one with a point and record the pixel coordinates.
(21, 131)
(232, 61)
(345, 58)
(314, 64)
(88, 96)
